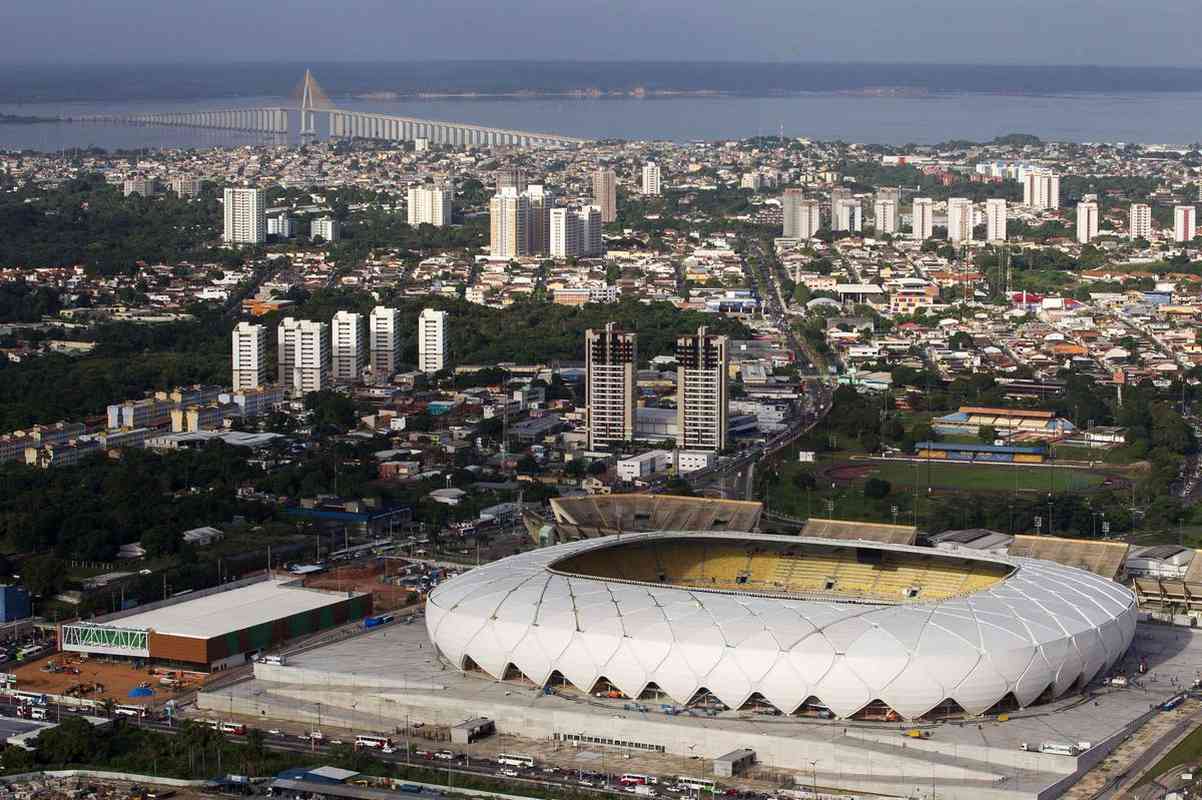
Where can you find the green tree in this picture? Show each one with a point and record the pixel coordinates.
(43, 575)
(877, 488)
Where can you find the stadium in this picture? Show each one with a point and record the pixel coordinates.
(807, 626)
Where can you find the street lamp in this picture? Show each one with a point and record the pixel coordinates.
(814, 776)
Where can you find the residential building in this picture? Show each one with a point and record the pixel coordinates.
(538, 220)
(591, 228)
(847, 215)
(245, 216)
(1087, 221)
(384, 332)
(185, 187)
(303, 355)
(430, 205)
(432, 340)
(281, 225)
(884, 216)
(1139, 221)
(922, 218)
(889, 194)
(959, 219)
(1041, 189)
(509, 216)
(564, 233)
(605, 194)
(146, 187)
(327, 229)
(249, 356)
(1185, 223)
(611, 375)
(802, 218)
(702, 397)
(511, 178)
(995, 219)
(347, 346)
(651, 179)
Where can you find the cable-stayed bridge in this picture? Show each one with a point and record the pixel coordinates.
(311, 102)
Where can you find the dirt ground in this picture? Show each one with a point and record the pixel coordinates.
(363, 578)
(117, 678)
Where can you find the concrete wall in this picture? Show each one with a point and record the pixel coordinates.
(866, 762)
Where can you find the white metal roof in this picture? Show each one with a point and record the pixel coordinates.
(1045, 626)
(233, 610)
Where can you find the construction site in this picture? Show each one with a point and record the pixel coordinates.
(92, 680)
(381, 579)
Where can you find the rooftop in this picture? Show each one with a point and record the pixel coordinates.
(220, 613)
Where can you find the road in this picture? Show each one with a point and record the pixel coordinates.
(444, 760)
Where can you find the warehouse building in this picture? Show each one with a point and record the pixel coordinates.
(218, 628)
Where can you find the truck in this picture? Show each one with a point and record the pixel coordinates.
(643, 790)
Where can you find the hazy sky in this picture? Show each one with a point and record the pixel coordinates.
(1106, 32)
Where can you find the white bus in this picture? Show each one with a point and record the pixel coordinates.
(699, 784)
(515, 760)
(129, 711)
(30, 698)
(236, 728)
(374, 742)
(634, 779)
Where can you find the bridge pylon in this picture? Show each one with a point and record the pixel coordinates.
(310, 98)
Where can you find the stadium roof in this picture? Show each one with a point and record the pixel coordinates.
(589, 516)
(960, 447)
(1102, 558)
(216, 614)
(849, 530)
(1043, 627)
(1006, 412)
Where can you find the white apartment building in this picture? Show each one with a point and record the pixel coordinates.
(959, 219)
(245, 216)
(651, 179)
(281, 225)
(802, 217)
(884, 214)
(249, 356)
(922, 219)
(1185, 223)
(847, 215)
(1041, 189)
(509, 218)
(1087, 221)
(384, 338)
(611, 363)
(576, 232)
(303, 355)
(432, 340)
(347, 346)
(702, 394)
(565, 233)
(430, 205)
(328, 228)
(1139, 221)
(185, 187)
(605, 193)
(995, 219)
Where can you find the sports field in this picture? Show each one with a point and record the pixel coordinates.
(972, 477)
